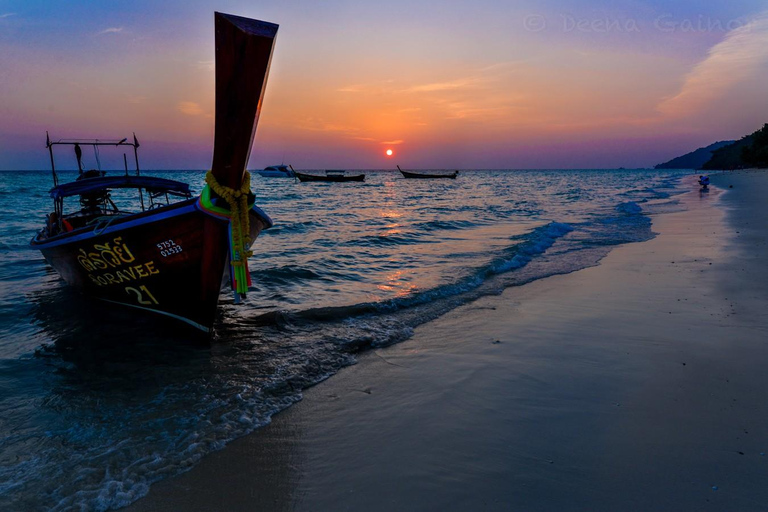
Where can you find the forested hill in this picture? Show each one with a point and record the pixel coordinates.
(694, 159)
(750, 151)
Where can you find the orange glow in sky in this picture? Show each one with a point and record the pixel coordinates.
(486, 84)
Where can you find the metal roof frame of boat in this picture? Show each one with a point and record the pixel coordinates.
(93, 142)
(150, 183)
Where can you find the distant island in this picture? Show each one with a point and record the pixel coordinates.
(749, 151)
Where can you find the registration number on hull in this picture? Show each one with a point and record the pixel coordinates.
(169, 248)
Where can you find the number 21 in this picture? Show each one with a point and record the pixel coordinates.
(140, 295)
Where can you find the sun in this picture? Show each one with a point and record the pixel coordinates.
(389, 152)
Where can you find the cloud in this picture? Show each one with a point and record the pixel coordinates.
(7, 15)
(445, 86)
(484, 94)
(320, 125)
(480, 78)
(392, 142)
(189, 108)
(111, 30)
(742, 54)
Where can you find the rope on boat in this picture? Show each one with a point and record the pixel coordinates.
(102, 223)
(239, 228)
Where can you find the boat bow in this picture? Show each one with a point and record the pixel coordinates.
(243, 55)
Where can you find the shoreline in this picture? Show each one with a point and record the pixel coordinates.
(634, 385)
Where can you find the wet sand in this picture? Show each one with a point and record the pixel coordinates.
(639, 384)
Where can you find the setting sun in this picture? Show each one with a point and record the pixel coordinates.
(389, 152)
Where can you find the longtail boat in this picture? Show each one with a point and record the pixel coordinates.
(172, 256)
(423, 176)
(331, 176)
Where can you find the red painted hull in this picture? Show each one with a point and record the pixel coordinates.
(170, 260)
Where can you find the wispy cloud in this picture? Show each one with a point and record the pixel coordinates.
(445, 86)
(479, 94)
(206, 64)
(7, 15)
(392, 142)
(320, 125)
(189, 108)
(739, 56)
(479, 78)
(339, 130)
(111, 30)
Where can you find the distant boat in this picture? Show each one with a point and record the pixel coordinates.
(277, 171)
(171, 256)
(422, 176)
(334, 176)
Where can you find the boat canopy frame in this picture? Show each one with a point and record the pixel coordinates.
(93, 143)
(155, 187)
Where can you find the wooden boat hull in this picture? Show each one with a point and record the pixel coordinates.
(331, 178)
(169, 260)
(421, 176)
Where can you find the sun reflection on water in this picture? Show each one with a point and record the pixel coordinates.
(398, 285)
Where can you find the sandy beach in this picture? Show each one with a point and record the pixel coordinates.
(639, 384)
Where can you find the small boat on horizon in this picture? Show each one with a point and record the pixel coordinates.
(423, 176)
(171, 256)
(333, 176)
(277, 171)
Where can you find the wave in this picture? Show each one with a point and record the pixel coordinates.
(286, 275)
(294, 227)
(388, 240)
(525, 249)
(447, 225)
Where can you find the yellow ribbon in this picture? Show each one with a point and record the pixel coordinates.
(237, 199)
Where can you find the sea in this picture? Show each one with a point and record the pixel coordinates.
(98, 402)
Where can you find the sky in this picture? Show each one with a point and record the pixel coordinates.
(443, 84)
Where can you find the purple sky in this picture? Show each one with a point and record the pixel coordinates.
(444, 84)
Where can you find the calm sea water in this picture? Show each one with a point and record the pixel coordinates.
(97, 403)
